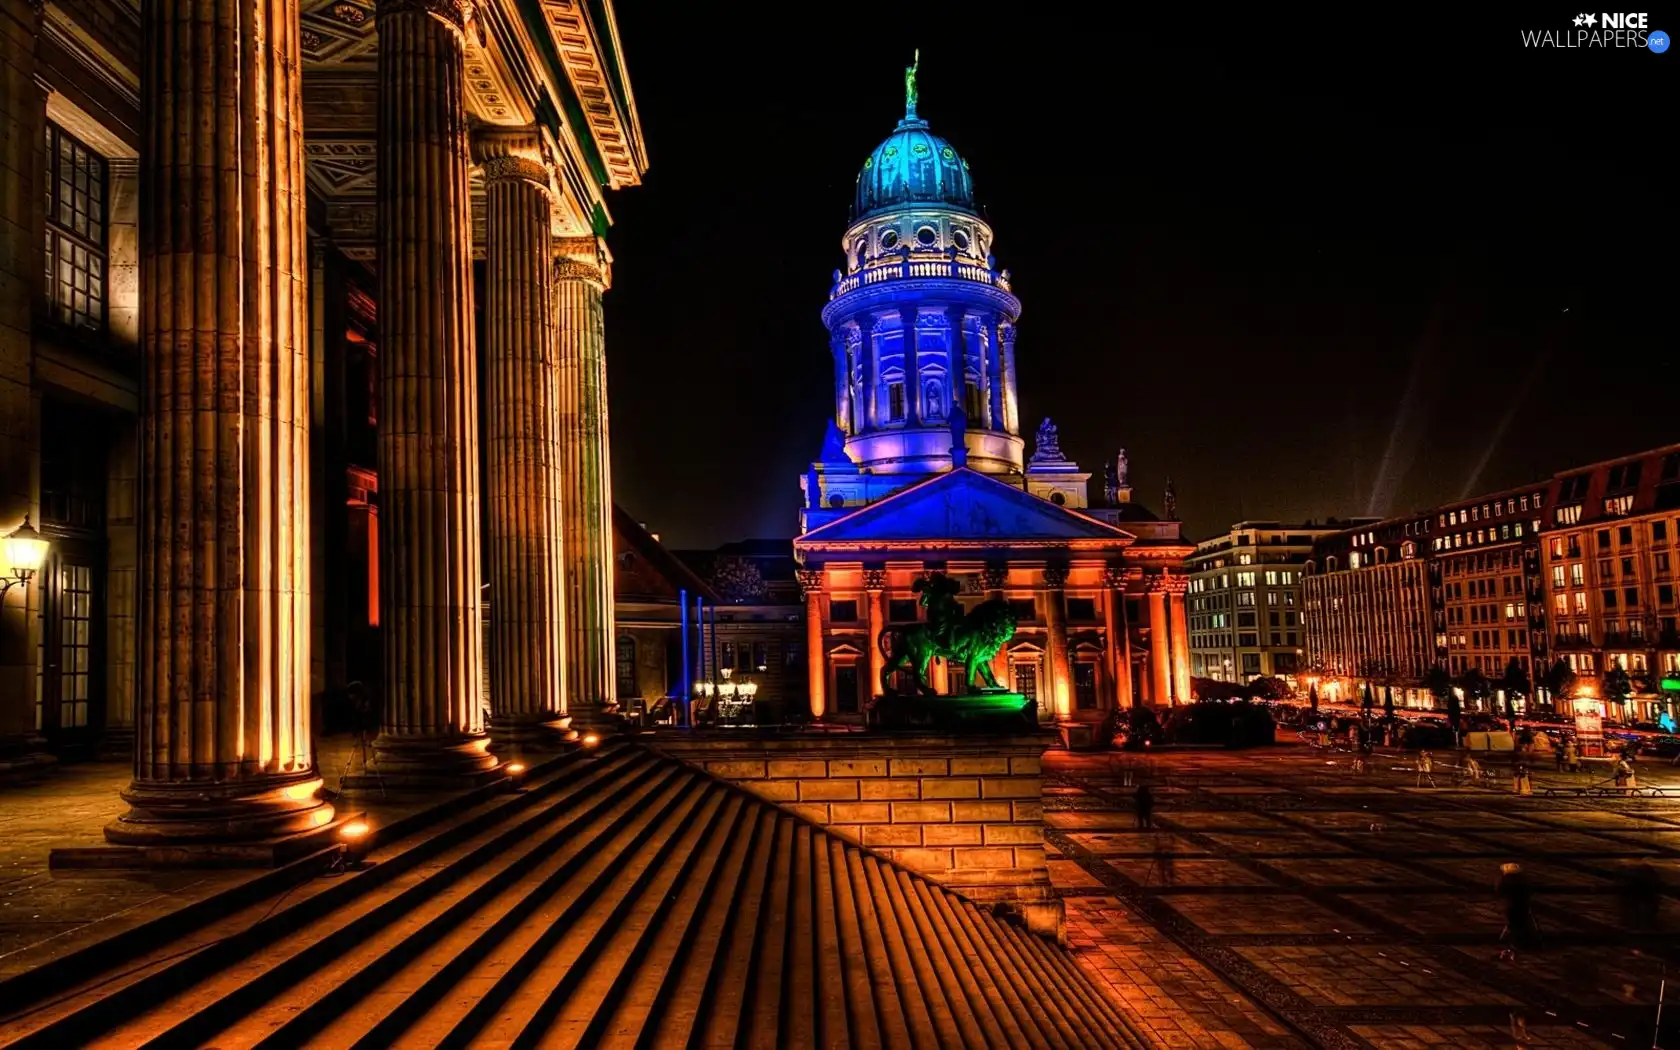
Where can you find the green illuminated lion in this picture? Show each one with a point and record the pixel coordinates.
(971, 640)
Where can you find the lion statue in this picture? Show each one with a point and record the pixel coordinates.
(971, 640)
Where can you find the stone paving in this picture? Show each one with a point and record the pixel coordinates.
(1304, 905)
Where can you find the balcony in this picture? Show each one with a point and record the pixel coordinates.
(910, 269)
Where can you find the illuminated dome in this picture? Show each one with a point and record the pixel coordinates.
(913, 166)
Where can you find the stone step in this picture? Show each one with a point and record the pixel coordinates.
(626, 900)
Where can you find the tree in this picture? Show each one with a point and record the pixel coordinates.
(738, 580)
(1439, 683)
(1269, 689)
(1515, 683)
(1367, 699)
(1388, 703)
(1312, 696)
(1560, 681)
(1476, 686)
(1617, 685)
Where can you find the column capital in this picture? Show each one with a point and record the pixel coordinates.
(1115, 577)
(456, 13)
(574, 270)
(994, 576)
(515, 153)
(874, 580)
(1168, 583)
(955, 315)
(1055, 576)
(810, 581)
(582, 259)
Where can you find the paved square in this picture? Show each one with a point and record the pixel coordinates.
(1301, 905)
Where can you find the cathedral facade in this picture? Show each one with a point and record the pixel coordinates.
(925, 469)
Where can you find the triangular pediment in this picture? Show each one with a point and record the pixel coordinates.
(964, 508)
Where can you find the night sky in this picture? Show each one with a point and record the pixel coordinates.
(1268, 259)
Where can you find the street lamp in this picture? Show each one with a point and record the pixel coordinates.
(25, 551)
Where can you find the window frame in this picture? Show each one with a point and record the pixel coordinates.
(99, 170)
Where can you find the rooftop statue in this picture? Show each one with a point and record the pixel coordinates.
(1122, 470)
(910, 86)
(1048, 446)
(971, 640)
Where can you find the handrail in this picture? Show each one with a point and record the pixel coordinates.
(907, 269)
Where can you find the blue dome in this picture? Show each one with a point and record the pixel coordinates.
(913, 166)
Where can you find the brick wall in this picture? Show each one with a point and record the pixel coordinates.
(966, 812)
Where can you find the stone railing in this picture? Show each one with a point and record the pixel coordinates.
(911, 268)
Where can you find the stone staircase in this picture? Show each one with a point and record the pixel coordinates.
(621, 898)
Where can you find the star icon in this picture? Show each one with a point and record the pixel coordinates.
(1592, 20)
(1580, 18)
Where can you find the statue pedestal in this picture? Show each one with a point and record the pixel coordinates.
(987, 712)
(962, 808)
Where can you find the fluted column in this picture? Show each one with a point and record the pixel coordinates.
(586, 480)
(1011, 401)
(842, 382)
(875, 587)
(1180, 621)
(993, 366)
(912, 367)
(522, 422)
(1160, 644)
(432, 731)
(993, 577)
(1119, 650)
(816, 664)
(956, 367)
(1055, 629)
(223, 748)
(870, 410)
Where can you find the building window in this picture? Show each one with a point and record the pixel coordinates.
(1624, 535)
(1026, 680)
(1085, 686)
(1659, 531)
(75, 243)
(846, 689)
(902, 610)
(1577, 575)
(1024, 609)
(895, 402)
(842, 610)
(761, 656)
(971, 402)
(625, 666)
(1082, 609)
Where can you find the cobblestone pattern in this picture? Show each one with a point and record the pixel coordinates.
(1361, 912)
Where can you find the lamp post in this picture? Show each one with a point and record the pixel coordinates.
(25, 552)
(727, 692)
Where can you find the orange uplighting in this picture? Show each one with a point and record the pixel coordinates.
(355, 831)
(307, 789)
(590, 740)
(516, 768)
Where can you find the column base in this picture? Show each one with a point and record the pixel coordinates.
(515, 734)
(163, 813)
(425, 763)
(117, 744)
(601, 717)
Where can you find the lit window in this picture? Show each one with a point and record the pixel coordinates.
(1561, 603)
(1577, 575)
(1580, 603)
(1271, 578)
(1244, 559)
(75, 243)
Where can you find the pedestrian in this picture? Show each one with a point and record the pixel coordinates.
(1425, 768)
(1365, 753)
(1521, 933)
(1144, 799)
(1560, 755)
(1571, 755)
(1163, 852)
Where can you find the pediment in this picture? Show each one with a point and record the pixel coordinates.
(967, 509)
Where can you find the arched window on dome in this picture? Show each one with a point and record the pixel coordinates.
(933, 399)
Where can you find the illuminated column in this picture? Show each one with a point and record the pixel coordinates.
(871, 370)
(1180, 639)
(993, 577)
(956, 366)
(874, 585)
(1011, 403)
(842, 381)
(994, 375)
(912, 366)
(810, 580)
(1055, 629)
(1118, 632)
(1160, 642)
(223, 748)
(526, 571)
(586, 473)
(430, 606)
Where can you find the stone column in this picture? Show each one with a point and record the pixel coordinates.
(912, 367)
(1011, 402)
(816, 663)
(1177, 616)
(586, 480)
(1118, 632)
(956, 367)
(430, 605)
(223, 749)
(842, 381)
(23, 114)
(526, 569)
(122, 565)
(993, 578)
(871, 371)
(993, 366)
(1055, 630)
(1160, 643)
(875, 586)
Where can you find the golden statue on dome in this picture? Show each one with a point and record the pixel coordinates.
(910, 86)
